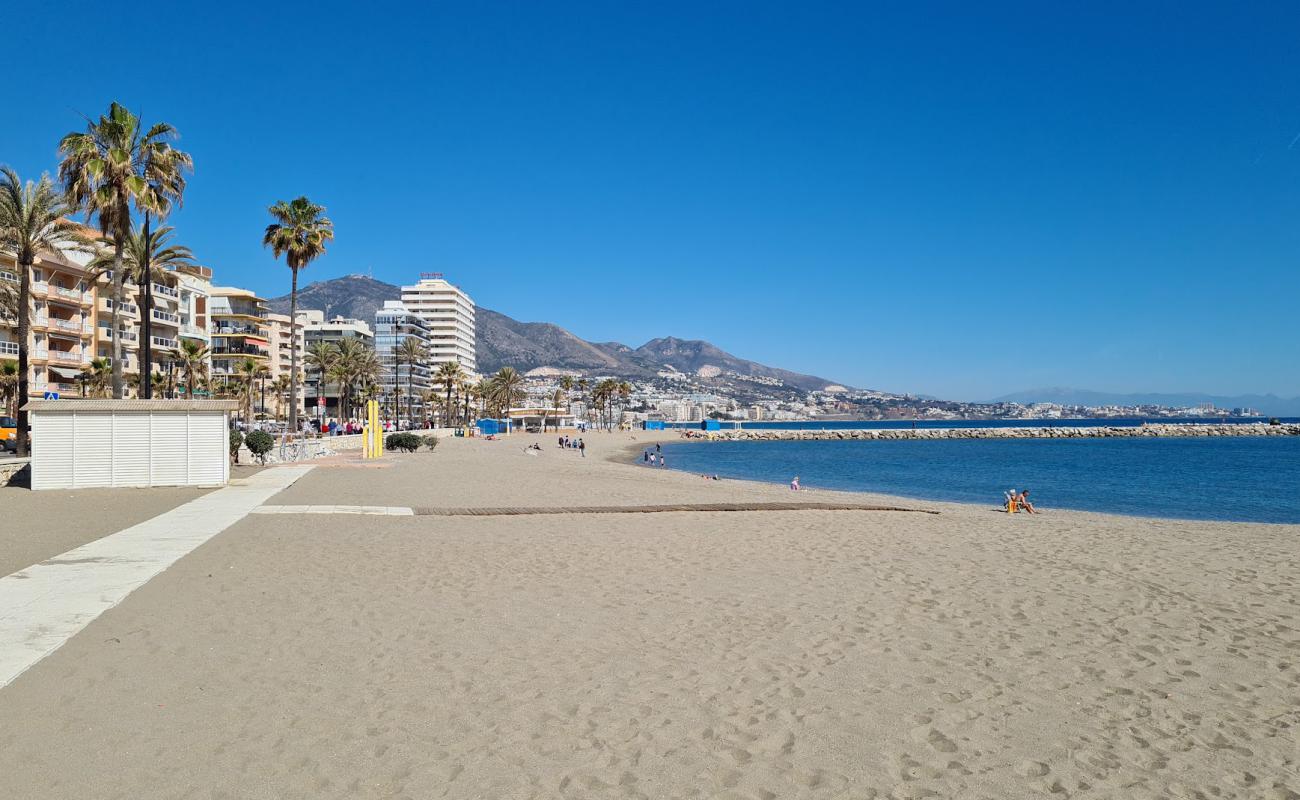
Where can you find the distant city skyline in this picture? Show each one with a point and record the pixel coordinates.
(943, 200)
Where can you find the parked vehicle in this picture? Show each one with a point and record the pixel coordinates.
(9, 434)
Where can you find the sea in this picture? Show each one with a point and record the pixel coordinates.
(1232, 478)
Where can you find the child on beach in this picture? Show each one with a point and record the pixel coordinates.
(794, 484)
(1009, 501)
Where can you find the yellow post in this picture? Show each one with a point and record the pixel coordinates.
(373, 438)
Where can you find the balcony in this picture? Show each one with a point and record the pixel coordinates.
(127, 308)
(71, 325)
(159, 341)
(193, 331)
(61, 294)
(71, 357)
(239, 330)
(8, 348)
(164, 317)
(10, 277)
(106, 332)
(232, 351)
(165, 291)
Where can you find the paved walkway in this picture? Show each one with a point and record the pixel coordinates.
(43, 606)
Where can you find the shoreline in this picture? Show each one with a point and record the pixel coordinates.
(627, 456)
(1161, 430)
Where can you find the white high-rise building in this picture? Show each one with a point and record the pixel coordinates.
(449, 313)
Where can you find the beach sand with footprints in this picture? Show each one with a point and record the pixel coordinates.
(799, 653)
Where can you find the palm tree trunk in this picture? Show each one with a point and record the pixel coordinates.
(293, 355)
(146, 318)
(24, 357)
(410, 397)
(119, 344)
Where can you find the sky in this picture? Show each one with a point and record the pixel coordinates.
(955, 199)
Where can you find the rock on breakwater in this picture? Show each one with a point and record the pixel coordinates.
(1100, 432)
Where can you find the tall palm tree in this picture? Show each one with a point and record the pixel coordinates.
(31, 221)
(344, 371)
(299, 233)
(193, 360)
(9, 386)
(249, 371)
(485, 390)
(147, 258)
(624, 390)
(320, 358)
(112, 165)
(556, 400)
(280, 386)
(413, 352)
(449, 374)
(507, 388)
(469, 393)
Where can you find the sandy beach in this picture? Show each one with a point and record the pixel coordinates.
(764, 654)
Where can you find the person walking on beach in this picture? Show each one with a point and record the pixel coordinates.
(794, 484)
(663, 462)
(646, 456)
(582, 448)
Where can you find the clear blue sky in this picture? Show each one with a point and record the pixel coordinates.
(932, 198)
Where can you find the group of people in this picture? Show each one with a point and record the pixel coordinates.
(1013, 501)
(568, 443)
(655, 457)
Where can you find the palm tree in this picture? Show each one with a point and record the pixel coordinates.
(31, 221)
(147, 257)
(413, 352)
(95, 376)
(507, 388)
(114, 164)
(350, 361)
(320, 357)
(583, 385)
(485, 390)
(193, 360)
(299, 233)
(280, 385)
(556, 400)
(469, 393)
(624, 390)
(9, 386)
(248, 372)
(449, 374)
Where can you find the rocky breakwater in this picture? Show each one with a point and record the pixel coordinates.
(1172, 429)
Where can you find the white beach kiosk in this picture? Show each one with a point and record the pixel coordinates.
(83, 444)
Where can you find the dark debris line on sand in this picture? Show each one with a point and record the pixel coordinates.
(427, 511)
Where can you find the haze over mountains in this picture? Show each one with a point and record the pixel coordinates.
(502, 341)
(1269, 404)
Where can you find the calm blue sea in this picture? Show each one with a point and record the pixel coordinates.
(897, 424)
(1251, 479)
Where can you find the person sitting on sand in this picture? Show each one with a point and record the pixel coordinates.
(1025, 504)
(794, 484)
(1009, 501)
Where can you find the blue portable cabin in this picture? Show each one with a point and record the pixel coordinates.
(490, 427)
(653, 425)
(710, 425)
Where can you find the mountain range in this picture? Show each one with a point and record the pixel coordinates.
(501, 341)
(1268, 404)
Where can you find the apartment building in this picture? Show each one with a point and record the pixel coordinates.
(394, 325)
(238, 329)
(449, 313)
(63, 310)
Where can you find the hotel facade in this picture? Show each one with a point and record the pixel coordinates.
(449, 313)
